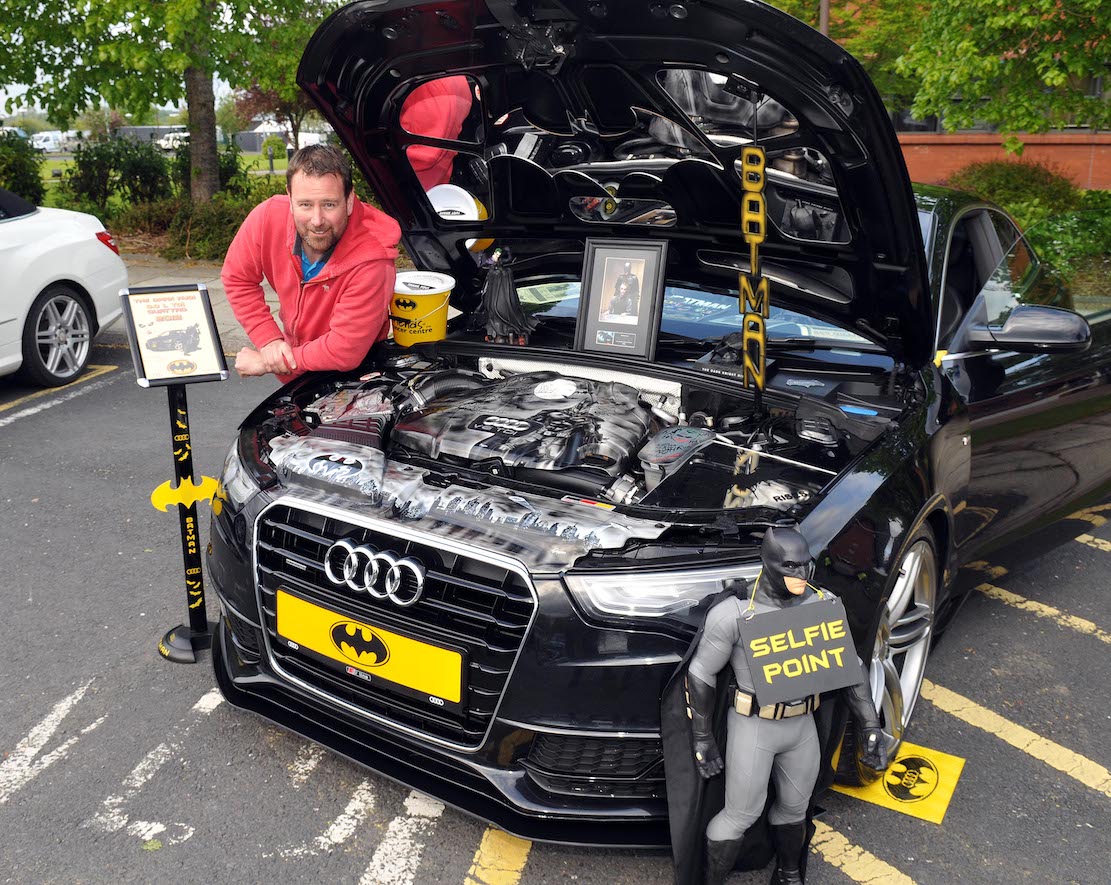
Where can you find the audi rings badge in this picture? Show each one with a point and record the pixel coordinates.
(380, 573)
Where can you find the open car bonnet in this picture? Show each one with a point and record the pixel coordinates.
(539, 123)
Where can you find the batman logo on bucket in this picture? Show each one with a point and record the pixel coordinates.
(405, 304)
(359, 644)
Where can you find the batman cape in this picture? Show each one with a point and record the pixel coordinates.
(692, 800)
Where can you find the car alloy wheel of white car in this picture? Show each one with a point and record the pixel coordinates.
(57, 337)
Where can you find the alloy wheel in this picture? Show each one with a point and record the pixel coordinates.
(903, 641)
(63, 336)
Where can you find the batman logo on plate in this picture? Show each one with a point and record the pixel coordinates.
(359, 644)
(182, 367)
(405, 304)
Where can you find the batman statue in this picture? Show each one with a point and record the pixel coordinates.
(505, 319)
(720, 822)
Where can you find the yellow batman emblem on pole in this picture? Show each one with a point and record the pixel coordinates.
(165, 496)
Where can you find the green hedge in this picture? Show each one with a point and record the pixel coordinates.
(1030, 191)
(21, 168)
(1069, 228)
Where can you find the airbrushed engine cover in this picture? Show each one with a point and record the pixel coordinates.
(537, 420)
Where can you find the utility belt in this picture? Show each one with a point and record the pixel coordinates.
(746, 705)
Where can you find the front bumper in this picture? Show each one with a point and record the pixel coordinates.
(572, 753)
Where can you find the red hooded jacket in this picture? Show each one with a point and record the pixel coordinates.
(435, 109)
(330, 321)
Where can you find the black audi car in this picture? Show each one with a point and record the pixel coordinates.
(473, 566)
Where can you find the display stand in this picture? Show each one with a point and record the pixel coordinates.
(174, 342)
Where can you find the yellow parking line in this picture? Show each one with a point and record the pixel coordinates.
(1045, 611)
(500, 859)
(1097, 543)
(852, 860)
(1087, 772)
(992, 571)
(1091, 514)
(92, 373)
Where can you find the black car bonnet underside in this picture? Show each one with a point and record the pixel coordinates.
(699, 81)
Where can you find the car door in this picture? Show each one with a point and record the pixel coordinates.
(14, 300)
(1038, 428)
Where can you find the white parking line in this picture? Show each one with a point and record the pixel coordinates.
(341, 829)
(74, 390)
(308, 757)
(24, 764)
(396, 860)
(112, 818)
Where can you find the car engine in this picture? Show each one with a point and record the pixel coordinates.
(502, 434)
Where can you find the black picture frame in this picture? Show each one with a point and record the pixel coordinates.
(178, 343)
(619, 306)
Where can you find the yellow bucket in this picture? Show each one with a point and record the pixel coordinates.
(418, 308)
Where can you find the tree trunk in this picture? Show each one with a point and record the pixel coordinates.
(203, 161)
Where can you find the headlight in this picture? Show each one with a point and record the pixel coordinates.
(657, 594)
(235, 480)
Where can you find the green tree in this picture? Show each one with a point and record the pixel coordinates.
(30, 122)
(1023, 67)
(877, 33)
(100, 121)
(131, 53)
(273, 89)
(229, 118)
(20, 167)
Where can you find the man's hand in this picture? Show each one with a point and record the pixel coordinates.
(277, 357)
(873, 750)
(248, 362)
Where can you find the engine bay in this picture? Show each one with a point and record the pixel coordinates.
(576, 433)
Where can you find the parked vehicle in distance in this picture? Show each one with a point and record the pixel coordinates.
(171, 141)
(474, 566)
(62, 277)
(51, 141)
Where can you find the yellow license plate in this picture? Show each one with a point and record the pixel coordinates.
(369, 650)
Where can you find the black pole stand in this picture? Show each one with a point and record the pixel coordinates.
(182, 643)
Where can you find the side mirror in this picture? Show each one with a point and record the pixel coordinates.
(1032, 328)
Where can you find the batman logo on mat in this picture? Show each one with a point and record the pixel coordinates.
(405, 304)
(359, 644)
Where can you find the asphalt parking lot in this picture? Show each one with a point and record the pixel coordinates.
(119, 767)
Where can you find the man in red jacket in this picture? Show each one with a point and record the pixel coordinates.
(329, 257)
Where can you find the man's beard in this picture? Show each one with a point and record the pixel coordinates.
(320, 242)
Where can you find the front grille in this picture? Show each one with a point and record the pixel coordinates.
(604, 757)
(245, 636)
(621, 768)
(481, 608)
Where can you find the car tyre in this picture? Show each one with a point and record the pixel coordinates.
(900, 649)
(57, 337)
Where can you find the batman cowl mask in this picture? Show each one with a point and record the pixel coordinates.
(785, 554)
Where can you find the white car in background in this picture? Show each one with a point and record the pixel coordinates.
(62, 277)
(171, 141)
